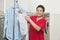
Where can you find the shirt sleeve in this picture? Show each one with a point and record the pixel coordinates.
(42, 25)
(5, 23)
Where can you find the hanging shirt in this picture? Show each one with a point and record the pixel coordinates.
(8, 23)
(33, 33)
(23, 27)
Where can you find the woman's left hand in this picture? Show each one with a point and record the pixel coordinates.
(27, 18)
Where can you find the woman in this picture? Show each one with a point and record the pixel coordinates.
(37, 24)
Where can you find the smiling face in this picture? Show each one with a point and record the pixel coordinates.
(39, 12)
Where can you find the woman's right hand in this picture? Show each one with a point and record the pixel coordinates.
(20, 11)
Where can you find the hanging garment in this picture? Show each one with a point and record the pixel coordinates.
(8, 23)
(23, 27)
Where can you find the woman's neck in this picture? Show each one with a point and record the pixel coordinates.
(38, 18)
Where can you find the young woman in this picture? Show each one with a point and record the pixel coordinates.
(37, 24)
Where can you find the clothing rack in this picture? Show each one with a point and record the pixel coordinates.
(15, 1)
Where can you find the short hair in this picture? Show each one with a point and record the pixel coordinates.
(41, 6)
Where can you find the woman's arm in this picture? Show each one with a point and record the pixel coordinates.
(33, 24)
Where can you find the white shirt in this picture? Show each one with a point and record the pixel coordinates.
(23, 25)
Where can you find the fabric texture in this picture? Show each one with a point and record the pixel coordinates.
(23, 26)
(8, 23)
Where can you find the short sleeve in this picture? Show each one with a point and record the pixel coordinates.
(42, 24)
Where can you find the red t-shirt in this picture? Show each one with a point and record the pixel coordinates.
(33, 33)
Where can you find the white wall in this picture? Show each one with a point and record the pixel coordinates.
(1, 5)
(55, 27)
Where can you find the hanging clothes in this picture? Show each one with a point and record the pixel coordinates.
(23, 26)
(8, 23)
